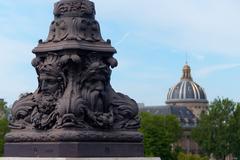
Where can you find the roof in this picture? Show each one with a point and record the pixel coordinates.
(184, 115)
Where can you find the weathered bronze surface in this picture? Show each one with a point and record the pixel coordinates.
(74, 100)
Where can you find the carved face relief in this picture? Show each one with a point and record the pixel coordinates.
(93, 90)
(93, 85)
(97, 85)
(48, 84)
(43, 115)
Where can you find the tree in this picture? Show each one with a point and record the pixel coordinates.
(4, 111)
(212, 132)
(3, 124)
(160, 132)
(234, 132)
(183, 156)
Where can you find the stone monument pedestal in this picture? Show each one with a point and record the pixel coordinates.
(74, 112)
(135, 158)
(74, 149)
(73, 143)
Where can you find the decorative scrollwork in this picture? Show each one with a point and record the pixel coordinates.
(77, 29)
(79, 7)
(75, 91)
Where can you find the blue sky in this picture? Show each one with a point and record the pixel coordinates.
(152, 38)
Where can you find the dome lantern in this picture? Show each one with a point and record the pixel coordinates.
(186, 72)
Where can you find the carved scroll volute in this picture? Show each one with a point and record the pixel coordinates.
(74, 29)
(74, 20)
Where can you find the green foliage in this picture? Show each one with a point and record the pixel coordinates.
(3, 125)
(160, 132)
(3, 131)
(3, 109)
(212, 132)
(234, 132)
(182, 156)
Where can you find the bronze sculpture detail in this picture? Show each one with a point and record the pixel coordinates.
(74, 101)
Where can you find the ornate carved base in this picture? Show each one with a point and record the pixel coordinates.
(112, 158)
(74, 149)
(74, 112)
(74, 135)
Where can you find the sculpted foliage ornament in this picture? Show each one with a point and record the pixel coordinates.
(74, 67)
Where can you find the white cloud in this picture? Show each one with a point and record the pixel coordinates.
(14, 51)
(124, 37)
(216, 68)
(208, 26)
(17, 75)
(201, 27)
(198, 56)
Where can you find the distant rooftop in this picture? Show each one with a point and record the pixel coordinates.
(185, 116)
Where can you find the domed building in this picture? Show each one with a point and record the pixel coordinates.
(188, 93)
(186, 100)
